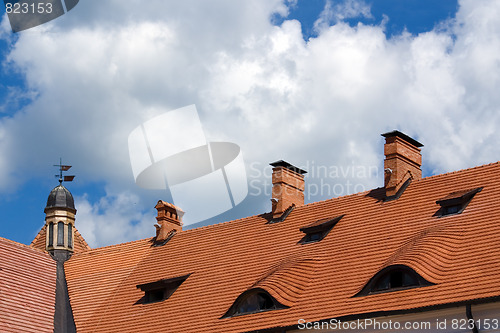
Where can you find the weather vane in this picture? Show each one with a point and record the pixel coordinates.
(62, 168)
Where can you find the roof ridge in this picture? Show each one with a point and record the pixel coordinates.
(417, 180)
(78, 233)
(92, 250)
(342, 197)
(223, 222)
(257, 215)
(333, 198)
(37, 236)
(22, 245)
(458, 171)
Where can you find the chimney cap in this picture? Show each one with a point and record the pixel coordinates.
(403, 136)
(287, 165)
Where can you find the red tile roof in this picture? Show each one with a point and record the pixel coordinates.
(459, 253)
(459, 194)
(27, 289)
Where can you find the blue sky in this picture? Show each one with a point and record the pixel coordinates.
(311, 82)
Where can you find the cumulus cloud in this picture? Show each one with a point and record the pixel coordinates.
(316, 103)
(113, 219)
(337, 12)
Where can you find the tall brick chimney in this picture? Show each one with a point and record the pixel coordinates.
(402, 161)
(169, 218)
(288, 187)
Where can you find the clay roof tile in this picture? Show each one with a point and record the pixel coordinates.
(317, 280)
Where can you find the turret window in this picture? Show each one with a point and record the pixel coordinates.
(70, 236)
(60, 234)
(51, 234)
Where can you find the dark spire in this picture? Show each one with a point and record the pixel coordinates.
(60, 197)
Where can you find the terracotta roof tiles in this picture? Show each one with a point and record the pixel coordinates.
(27, 289)
(459, 253)
(287, 281)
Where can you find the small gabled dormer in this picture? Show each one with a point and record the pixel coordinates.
(160, 290)
(456, 202)
(318, 230)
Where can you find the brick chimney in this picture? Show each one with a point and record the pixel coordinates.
(402, 161)
(169, 218)
(288, 187)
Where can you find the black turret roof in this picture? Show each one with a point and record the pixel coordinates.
(60, 197)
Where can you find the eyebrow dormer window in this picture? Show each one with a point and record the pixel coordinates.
(318, 230)
(253, 301)
(393, 278)
(161, 290)
(456, 202)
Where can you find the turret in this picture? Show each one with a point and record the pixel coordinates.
(60, 220)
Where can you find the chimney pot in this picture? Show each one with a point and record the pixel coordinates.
(402, 161)
(169, 218)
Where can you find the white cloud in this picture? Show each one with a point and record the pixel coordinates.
(113, 219)
(321, 102)
(347, 9)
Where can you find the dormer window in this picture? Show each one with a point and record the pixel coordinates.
(253, 301)
(447, 210)
(318, 230)
(396, 279)
(161, 290)
(456, 202)
(393, 278)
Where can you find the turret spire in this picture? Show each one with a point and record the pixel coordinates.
(60, 216)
